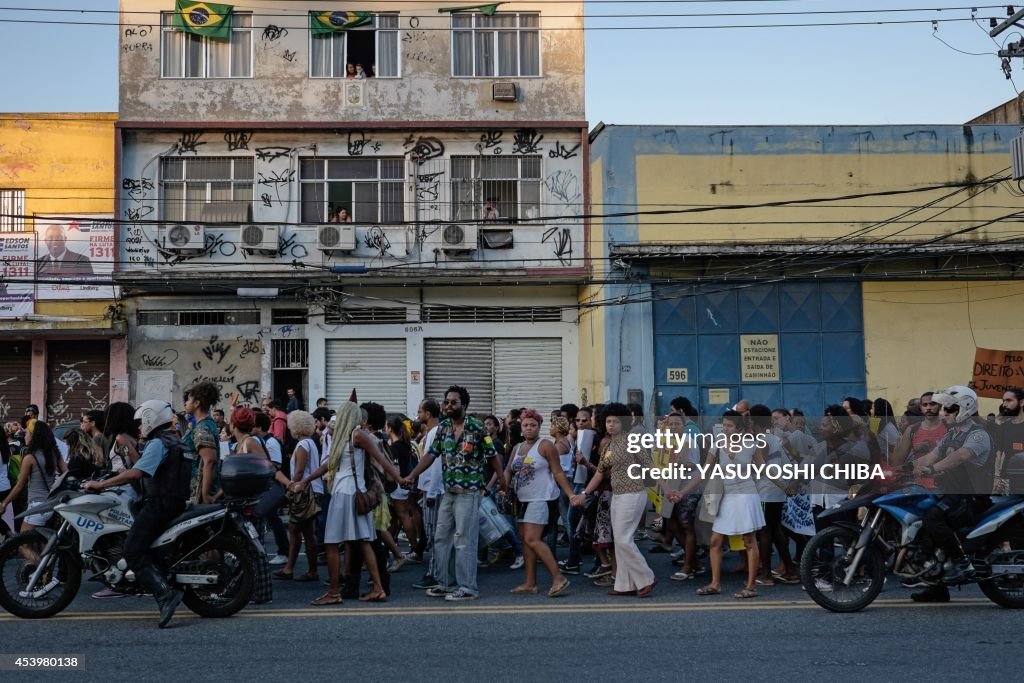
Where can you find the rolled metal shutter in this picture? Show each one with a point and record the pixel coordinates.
(528, 374)
(375, 368)
(15, 378)
(467, 363)
(77, 379)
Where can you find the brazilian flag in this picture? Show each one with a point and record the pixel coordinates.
(203, 18)
(488, 10)
(322, 23)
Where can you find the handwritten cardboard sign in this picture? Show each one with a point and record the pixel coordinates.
(996, 371)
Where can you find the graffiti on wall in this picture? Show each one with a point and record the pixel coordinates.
(234, 365)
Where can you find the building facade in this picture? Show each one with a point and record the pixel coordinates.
(285, 225)
(795, 266)
(62, 333)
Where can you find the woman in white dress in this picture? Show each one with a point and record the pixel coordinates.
(346, 470)
(739, 512)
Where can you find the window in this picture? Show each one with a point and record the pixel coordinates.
(504, 44)
(510, 184)
(374, 47)
(188, 185)
(371, 190)
(186, 55)
(12, 210)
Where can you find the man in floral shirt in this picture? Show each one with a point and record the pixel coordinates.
(464, 447)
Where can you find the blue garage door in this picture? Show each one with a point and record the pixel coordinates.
(816, 334)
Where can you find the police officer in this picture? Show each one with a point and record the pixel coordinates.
(962, 465)
(165, 474)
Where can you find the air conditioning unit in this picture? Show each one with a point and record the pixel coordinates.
(503, 92)
(459, 238)
(336, 237)
(260, 237)
(181, 237)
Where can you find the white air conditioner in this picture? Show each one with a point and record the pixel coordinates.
(181, 237)
(336, 237)
(459, 238)
(260, 237)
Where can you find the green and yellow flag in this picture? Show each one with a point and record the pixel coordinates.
(322, 23)
(203, 18)
(489, 10)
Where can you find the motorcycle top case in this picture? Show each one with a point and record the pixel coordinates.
(243, 476)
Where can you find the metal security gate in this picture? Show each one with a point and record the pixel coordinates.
(815, 336)
(467, 363)
(15, 379)
(77, 379)
(375, 368)
(499, 374)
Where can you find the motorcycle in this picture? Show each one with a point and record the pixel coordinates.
(210, 551)
(843, 566)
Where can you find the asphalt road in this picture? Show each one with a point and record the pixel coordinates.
(673, 634)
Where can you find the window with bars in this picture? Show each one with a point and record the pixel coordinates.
(375, 48)
(370, 190)
(196, 318)
(187, 55)
(502, 187)
(505, 44)
(12, 210)
(189, 184)
(290, 354)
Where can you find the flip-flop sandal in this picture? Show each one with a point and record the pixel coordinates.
(524, 589)
(788, 580)
(374, 597)
(681, 576)
(646, 590)
(559, 589)
(708, 590)
(764, 582)
(745, 594)
(307, 577)
(285, 576)
(326, 599)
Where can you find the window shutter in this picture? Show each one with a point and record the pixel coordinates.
(528, 373)
(375, 368)
(466, 362)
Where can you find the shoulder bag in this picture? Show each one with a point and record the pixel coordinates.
(368, 500)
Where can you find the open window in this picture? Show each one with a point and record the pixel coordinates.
(374, 48)
(370, 190)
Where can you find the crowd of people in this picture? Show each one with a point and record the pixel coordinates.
(354, 483)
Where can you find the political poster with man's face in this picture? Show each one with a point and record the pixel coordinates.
(16, 275)
(74, 257)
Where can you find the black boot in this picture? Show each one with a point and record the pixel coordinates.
(931, 594)
(167, 598)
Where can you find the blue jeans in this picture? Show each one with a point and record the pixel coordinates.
(574, 519)
(456, 540)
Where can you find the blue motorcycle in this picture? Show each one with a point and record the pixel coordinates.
(843, 567)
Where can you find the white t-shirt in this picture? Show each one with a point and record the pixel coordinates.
(431, 480)
(312, 463)
(65, 452)
(273, 449)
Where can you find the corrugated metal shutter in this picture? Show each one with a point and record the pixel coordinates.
(528, 373)
(15, 378)
(375, 368)
(466, 362)
(77, 379)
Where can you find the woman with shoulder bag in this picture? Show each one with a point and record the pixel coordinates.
(355, 493)
(302, 501)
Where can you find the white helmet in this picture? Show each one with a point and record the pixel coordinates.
(153, 414)
(959, 395)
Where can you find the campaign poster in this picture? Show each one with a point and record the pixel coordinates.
(16, 252)
(74, 257)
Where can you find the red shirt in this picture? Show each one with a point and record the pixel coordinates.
(279, 427)
(932, 436)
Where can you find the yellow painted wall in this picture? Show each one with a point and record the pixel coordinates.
(752, 179)
(921, 336)
(65, 164)
(592, 321)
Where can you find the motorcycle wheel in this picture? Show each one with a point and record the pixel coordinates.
(16, 571)
(228, 559)
(1006, 591)
(823, 568)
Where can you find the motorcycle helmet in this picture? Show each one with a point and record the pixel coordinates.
(153, 414)
(958, 395)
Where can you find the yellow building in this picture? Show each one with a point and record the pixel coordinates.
(62, 337)
(795, 266)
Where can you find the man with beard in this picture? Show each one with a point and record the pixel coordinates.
(922, 435)
(1009, 437)
(464, 447)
